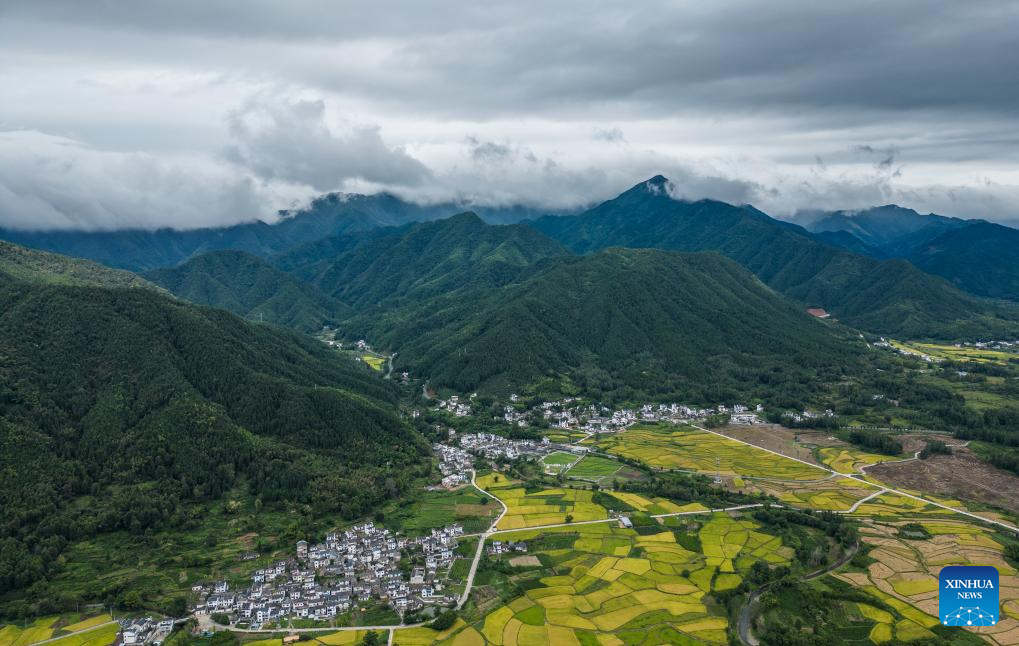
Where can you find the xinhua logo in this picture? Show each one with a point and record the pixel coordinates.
(968, 595)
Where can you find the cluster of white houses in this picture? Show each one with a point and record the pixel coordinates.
(570, 413)
(327, 579)
(454, 463)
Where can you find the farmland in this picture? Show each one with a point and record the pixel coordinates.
(96, 634)
(594, 467)
(541, 506)
(433, 509)
(604, 584)
(689, 449)
(558, 461)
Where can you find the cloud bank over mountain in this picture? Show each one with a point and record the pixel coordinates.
(200, 114)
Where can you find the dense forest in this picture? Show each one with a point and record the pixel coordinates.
(250, 287)
(880, 296)
(120, 406)
(622, 324)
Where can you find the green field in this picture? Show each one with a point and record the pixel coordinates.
(433, 509)
(593, 466)
(689, 449)
(558, 461)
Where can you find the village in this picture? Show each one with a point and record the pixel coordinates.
(574, 414)
(324, 580)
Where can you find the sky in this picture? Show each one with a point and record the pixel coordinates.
(124, 114)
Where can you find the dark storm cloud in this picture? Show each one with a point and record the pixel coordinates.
(906, 100)
(456, 57)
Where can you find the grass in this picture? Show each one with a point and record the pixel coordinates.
(689, 449)
(439, 508)
(558, 461)
(593, 467)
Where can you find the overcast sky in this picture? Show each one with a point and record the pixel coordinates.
(202, 112)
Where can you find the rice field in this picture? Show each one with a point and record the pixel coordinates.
(102, 636)
(595, 468)
(961, 353)
(54, 626)
(849, 460)
(606, 585)
(375, 363)
(689, 449)
(904, 575)
(542, 507)
(836, 494)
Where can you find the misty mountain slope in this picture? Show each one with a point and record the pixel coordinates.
(890, 228)
(250, 287)
(329, 215)
(644, 320)
(887, 297)
(424, 260)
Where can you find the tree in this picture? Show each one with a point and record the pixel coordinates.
(371, 638)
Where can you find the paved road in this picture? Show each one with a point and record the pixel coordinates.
(481, 543)
(858, 478)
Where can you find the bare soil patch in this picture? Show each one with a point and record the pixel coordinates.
(961, 475)
(524, 561)
(779, 439)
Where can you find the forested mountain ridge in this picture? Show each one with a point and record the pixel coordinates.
(122, 408)
(696, 326)
(890, 228)
(975, 256)
(20, 263)
(981, 258)
(886, 297)
(332, 214)
(424, 260)
(250, 287)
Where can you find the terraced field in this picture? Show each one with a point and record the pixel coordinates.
(686, 448)
(601, 584)
(904, 575)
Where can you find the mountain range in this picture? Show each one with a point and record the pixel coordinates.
(976, 256)
(891, 297)
(330, 215)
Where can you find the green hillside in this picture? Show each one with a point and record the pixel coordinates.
(693, 326)
(20, 263)
(886, 297)
(250, 287)
(425, 260)
(981, 258)
(124, 410)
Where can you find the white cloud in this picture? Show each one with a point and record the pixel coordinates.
(291, 141)
(50, 182)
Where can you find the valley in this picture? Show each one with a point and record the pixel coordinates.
(459, 432)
